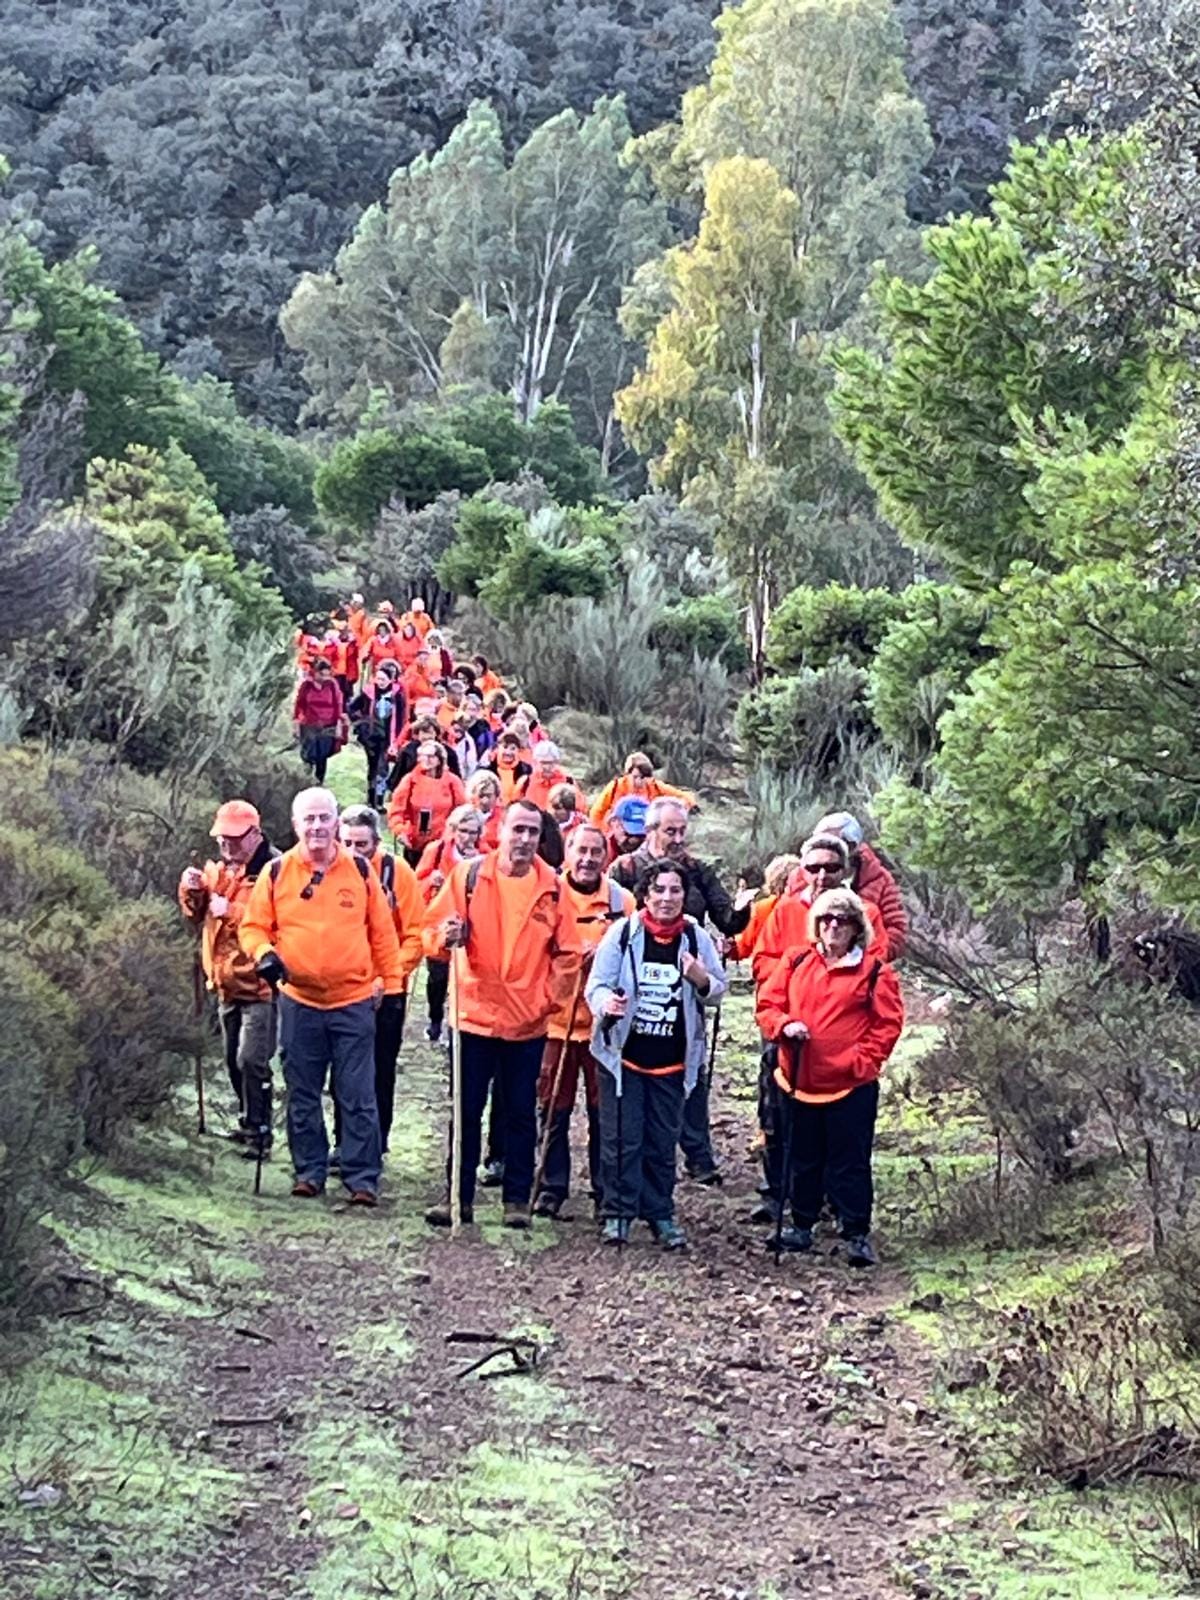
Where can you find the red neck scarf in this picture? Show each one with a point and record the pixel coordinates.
(664, 932)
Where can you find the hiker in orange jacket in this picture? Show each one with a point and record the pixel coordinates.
(833, 1010)
(418, 685)
(870, 879)
(824, 864)
(342, 653)
(775, 878)
(408, 644)
(513, 944)
(423, 801)
(594, 902)
(460, 842)
(359, 829)
(483, 792)
(547, 775)
(319, 928)
(418, 616)
(565, 806)
(504, 759)
(486, 681)
(213, 900)
(637, 779)
(360, 622)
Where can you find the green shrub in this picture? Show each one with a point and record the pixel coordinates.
(813, 627)
(925, 656)
(707, 625)
(364, 473)
(815, 721)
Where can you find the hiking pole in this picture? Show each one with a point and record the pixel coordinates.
(619, 1076)
(264, 1129)
(197, 1016)
(456, 1099)
(544, 1151)
(783, 1104)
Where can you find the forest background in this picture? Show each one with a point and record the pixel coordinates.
(823, 378)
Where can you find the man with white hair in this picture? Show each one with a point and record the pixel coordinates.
(319, 930)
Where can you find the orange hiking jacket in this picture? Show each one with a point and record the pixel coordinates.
(342, 655)
(537, 788)
(439, 855)
(591, 920)
(360, 624)
(228, 969)
(787, 927)
(618, 788)
(408, 908)
(853, 1023)
(417, 792)
(742, 946)
(417, 686)
(334, 944)
(421, 621)
(521, 958)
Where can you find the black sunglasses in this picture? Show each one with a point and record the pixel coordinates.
(310, 887)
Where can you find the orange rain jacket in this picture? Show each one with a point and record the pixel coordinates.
(592, 917)
(419, 792)
(228, 969)
(787, 928)
(853, 1020)
(408, 908)
(742, 945)
(653, 789)
(537, 788)
(334, 944)
(521, 958)
(343, 657)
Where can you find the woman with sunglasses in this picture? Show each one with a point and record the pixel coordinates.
(833, 1013)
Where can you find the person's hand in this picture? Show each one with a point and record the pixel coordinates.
(795, 1030)
(217, 905)
(745, 896)
(191, 878)
(694, 970)
(437, 879)
(616, 1005)
(271, 969)
(453, 932)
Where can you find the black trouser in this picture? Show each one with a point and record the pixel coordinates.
(556, 1180)
(389, 1028)
(316, 749)
(437, 984)
(827, 1149)
(638, 1134)
(515, 1065)
(497, 1114)
(376, 762)
(769, 1121)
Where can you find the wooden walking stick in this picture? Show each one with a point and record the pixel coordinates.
(540, 1170)
(198, 1015)
(456, 1103)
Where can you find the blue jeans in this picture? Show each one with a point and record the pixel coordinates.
(312, 1043)
(515, 1064)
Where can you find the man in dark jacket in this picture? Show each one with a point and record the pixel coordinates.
(666, 836)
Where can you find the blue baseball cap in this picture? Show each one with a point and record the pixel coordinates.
(631, 813)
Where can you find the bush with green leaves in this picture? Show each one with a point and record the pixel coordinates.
(369, 471)
(925, 656)
(706, 625)
(812, 627)
(815, 721)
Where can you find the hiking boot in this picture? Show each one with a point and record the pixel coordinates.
(363, 1197)
(492, 1175)
(302, 1189)
(669, 1234)
(548, 1205)
(792, 1241)
(433, 1032)
(615, 1230)
(515, 1216)
(708, 1177)
(439, 1216)
(765, 1211)
(859, 1252)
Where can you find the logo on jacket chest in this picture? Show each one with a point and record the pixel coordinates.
(345, 900)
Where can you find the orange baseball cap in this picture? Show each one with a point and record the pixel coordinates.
(233, 819)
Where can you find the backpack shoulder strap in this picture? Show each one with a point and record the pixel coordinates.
(473, 877)
(616, 902)
(872, 980)
(798, 961)
(276, 868)
(364, 870)
(693, 943)
(387, 877)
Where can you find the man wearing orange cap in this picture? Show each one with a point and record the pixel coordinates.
(213, 900)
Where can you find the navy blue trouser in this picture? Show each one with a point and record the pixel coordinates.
(514, 1064)
(340, 1041)
(695, 1134)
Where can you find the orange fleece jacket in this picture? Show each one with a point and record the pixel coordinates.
(589, 915)
(408, 908)
(334, 944)
(521, 957)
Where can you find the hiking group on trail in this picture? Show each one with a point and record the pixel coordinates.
(561, 940)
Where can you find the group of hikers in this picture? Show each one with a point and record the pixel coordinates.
(561, 940)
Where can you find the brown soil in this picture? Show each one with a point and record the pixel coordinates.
(770, 1422)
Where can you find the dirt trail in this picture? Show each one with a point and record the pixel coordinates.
(763, 1429)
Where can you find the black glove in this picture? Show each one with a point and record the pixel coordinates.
(272, 969)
